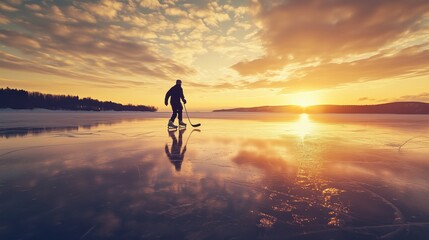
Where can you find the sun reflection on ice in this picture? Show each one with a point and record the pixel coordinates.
(303, 126)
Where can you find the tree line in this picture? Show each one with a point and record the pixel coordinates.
(21, 99)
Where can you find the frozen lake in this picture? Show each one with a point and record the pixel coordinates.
(108, 175)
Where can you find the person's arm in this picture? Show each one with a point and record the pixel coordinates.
(182, 96)
(167, 95)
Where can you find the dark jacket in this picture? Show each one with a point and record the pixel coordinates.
(176, 93)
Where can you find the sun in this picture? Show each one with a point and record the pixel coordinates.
(304, 99)
(304, 104)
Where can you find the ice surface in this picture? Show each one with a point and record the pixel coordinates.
(123, 175)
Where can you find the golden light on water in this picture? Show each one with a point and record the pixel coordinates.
(255, 165)
(303, 126)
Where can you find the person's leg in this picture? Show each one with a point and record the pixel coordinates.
(179, 112)
(181, 123)
(174, 115)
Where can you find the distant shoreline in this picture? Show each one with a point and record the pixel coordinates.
(386, 108)
(22, 99)
(71, 110)
(42, 110)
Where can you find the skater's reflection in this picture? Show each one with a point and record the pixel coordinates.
(176, 154)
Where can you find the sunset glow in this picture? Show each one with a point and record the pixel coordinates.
(228, 53)
(305, 99)
(201, 119)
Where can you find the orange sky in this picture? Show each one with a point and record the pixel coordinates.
(228, 53)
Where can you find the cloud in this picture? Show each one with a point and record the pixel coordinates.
(211, 14)
(15, 2)
(8, 61)
(151, 4)
(336, 43)
(105, 8)
(422, 97)
(18, 40)
(138, 21)
(366, 99)
(53, 13)
(238, 11)
(311, 30)
(33, 7)
(260, 65)
(3, 20)
(65, 39)
(219, 86)
(175, 12)
(408, 62)
(79, 15)
(6, 7)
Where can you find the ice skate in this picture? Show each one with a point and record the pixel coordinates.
(182, 124)
(171, 124)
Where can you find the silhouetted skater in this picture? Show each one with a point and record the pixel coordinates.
(177, 153)
(175, 94)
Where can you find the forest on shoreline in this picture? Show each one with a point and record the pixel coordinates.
(21, 99)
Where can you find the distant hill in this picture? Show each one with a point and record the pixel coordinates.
(21, 99)
(392, 108)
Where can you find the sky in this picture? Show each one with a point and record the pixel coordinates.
(230, 53)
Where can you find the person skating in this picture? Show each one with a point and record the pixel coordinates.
(175, 94)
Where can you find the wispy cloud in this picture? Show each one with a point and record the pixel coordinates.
(8, 8)
(104, 8)
(148, 39)
(420, 97)
(423, 97)
(15, 63)
(33, 6)
(347, 41)
(151, 4)
(409, 62)
(84, 38)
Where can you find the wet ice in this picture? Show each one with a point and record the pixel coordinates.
(75, 175)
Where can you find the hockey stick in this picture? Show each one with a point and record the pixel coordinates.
(193, 125)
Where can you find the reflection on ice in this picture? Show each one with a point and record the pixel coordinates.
(176, 154)
(303, 126)
(298, 178)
